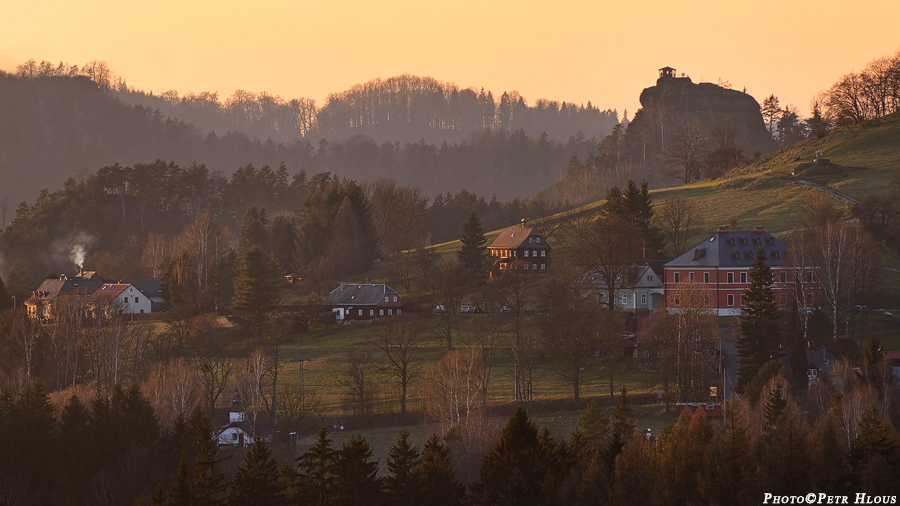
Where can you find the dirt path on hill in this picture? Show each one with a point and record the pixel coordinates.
(843, 196)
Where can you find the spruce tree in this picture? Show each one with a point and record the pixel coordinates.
(209, 481)
(180, 493)
(513, 471)
(593, 428)
(473, 254)
(253, 229)
(402, 485)
(437, 476)
(256, 482)
(759, 322)
(256, 287)
(356, 480)
(621, 430)
(5, 299)
(316, 477)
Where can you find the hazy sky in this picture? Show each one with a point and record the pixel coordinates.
(575, 51)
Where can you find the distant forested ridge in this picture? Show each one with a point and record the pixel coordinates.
(57, 121)
(403, 108)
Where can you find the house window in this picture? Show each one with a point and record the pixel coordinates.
(742, 300)
(649, 278)
(525, 266)
(371, 312)
(730, 299)
(142, 311)
(360, 313)
(783, 299)
(809, 277)
(526, 253)
(543, 253)
(234, 436)
(643, 299)
(381, 312)
(543, 266)
(625, 299)
(534, 266)
(675, 300)
(387, 299)
(743, 277)
(677, 277)
(706, 301)
(782, 276)
(646, 354)
(730, 277)
(691, 277)
(534, 253)
(395, 298)
(706, 277)
(390, 312)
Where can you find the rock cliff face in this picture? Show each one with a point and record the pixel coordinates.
(674, 100)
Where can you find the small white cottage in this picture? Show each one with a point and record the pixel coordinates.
(238, 432)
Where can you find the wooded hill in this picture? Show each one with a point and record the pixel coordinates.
(416, 130)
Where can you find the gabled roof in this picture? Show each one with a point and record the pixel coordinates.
(107, 292)
(364, 294)
(513, 237)
(52, 288)
(150, 288)
(733, 249)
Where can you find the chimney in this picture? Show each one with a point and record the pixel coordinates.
(524, 222)
(759, 228)
(343, 285)
(722, 228)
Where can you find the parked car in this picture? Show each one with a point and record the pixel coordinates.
(504, 309)
(882, 312)
(440, 309)
(478, 310)
(465, 309)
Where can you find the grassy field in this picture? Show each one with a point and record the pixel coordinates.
(759, 194)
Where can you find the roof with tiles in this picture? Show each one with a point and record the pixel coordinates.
(364, 294)
(733, 249)
(514, 237)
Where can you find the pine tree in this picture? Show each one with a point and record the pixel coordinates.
(759, 323)
(356, 480)
(317, 470)
(402, 485)
(621, 430)
(256, 482)
(180, 493)
(209, 481)
(5, 299)
(33, 424)
(513, 472)
(593, 428)
(253, 229)
(473, 254)
(75, 456)
(256, 287)
(437, 476)
(876, 445)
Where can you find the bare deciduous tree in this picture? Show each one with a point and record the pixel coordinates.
(677, 219)
(399, 340)
(454, 387)
(357, 378)
(685, 151)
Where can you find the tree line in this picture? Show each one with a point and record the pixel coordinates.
(60, 124)
(769, 446)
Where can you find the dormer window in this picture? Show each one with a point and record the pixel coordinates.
(730, 241)
(744, 241)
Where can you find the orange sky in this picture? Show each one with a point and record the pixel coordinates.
(571, 50)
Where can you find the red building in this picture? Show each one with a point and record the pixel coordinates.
(721, 264)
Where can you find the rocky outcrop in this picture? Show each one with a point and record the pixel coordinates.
(674, 100)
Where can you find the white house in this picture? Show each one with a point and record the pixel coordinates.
(238, 432)
(641, 287)
(124, 298)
